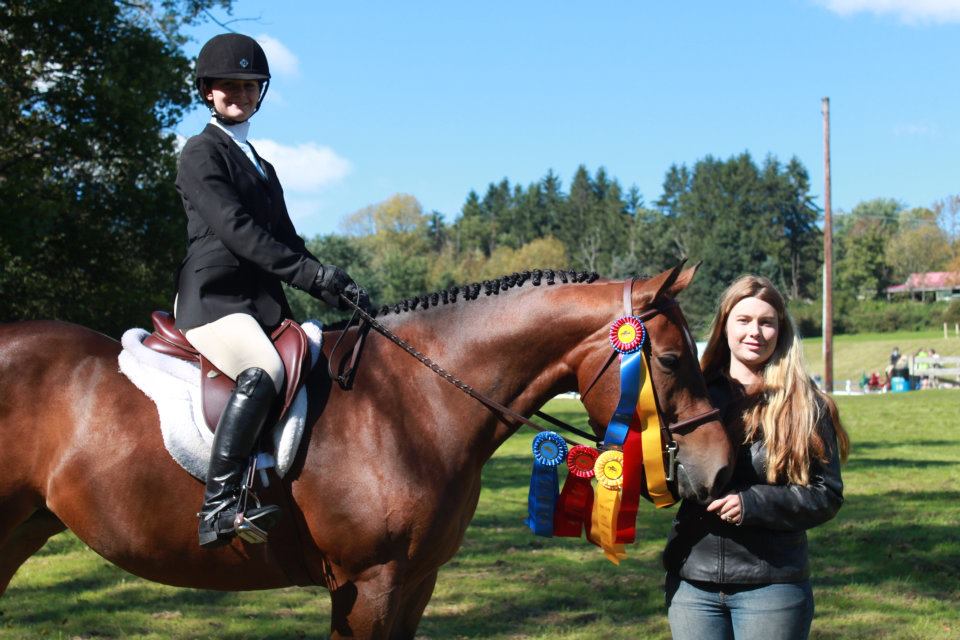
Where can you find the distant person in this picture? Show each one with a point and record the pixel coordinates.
(894, 356)
(874, 384)
(738, 567)
(902, 367)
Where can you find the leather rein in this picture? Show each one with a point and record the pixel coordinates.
(502, 412)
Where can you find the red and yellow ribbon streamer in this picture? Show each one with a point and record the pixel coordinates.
(652, 437)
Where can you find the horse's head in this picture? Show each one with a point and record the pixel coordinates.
(705, 454)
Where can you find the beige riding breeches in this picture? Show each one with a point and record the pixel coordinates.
(235, 343)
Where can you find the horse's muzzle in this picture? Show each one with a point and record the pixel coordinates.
(690, 488)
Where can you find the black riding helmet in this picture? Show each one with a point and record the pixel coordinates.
(232, 56)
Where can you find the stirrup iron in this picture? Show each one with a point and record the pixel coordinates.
(245, 528)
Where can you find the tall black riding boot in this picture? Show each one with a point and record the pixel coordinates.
(233, 442)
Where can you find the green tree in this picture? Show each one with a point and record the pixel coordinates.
(920, 244)
(739, 218)
(594, 224)
(474, 228)
(650, 246)
(395, 236)
(91, 229)
(795, 241)
(349, 254)
(862, 236)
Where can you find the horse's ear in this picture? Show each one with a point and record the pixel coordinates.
(684, 279)
(661, 284)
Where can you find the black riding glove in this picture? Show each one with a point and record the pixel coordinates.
(358, 295)
(333, 281)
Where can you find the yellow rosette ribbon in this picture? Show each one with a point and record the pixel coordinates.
(606, 505)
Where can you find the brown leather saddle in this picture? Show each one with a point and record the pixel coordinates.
(215, 387)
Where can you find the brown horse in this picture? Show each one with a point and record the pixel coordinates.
(389, 475)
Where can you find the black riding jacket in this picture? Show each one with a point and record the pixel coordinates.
(241, 242)
(770, 543)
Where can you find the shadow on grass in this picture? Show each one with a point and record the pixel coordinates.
(866, 445)
(868, 464)
(887, 538)
(77, 597)
(507, 472)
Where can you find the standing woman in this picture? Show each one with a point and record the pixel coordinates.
(241, 247)
(738, 567)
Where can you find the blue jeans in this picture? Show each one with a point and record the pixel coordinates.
(707, 611)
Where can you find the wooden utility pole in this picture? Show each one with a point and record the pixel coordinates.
(827, 255)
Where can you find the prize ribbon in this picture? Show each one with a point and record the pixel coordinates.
(653, 446)
(606, 505)
(632, 483)
(627, 336)
(549, 450)
(576, 500)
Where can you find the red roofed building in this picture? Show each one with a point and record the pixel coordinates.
(932, 285)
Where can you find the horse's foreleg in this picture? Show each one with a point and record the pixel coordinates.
(24, 541)
(368, 606)
(414, 601)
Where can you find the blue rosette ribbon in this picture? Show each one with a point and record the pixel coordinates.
(549, 450)
(627, 336)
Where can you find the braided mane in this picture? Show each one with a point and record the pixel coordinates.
(488, 287)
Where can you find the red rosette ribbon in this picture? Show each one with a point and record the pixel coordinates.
(627, 334)
(576, 499)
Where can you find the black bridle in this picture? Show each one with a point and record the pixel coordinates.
(502, 412)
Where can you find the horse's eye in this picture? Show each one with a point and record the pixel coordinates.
(669, 361)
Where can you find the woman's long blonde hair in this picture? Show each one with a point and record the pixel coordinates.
(787, 407)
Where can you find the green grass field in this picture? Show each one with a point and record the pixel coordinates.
(887, 567)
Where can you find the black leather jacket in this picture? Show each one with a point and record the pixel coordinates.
(769, 544)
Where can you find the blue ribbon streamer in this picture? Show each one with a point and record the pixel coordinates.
(549, 450)
(631, 372)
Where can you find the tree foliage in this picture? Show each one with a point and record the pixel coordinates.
(738, 217)
(920, 245)
(734, 215)
(862, 236)
(91, 228)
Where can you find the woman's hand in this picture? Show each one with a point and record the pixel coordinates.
(333, 281)
(728, 507)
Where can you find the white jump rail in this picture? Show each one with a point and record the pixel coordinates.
(942, 367)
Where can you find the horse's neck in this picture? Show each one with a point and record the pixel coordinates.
(514, 348)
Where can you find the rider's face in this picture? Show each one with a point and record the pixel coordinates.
(234, 99)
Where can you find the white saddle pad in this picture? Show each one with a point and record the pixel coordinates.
(174, 385)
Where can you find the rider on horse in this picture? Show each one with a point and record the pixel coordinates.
(241, 246)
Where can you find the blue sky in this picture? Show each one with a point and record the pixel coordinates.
(436, 98)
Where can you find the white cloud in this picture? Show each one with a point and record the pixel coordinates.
(280, 59)
(914, 129)
(306, 167)
(313, 215)
(274, 98)
(908, 11)
(303, 209)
